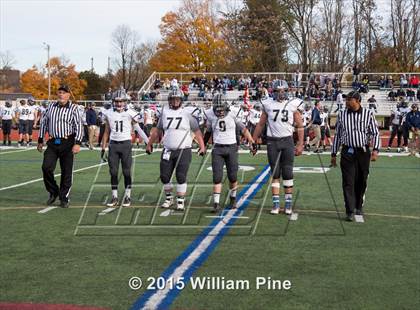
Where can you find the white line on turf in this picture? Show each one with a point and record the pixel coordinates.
(107, 210)
(47, 209)
(157, 298)
(294, 217)
(17, 151)
(57, 175)
(221, 216)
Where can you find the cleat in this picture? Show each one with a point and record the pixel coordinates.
(113, 203)
(167, 203)
(275, 210)
(216, 208)
(359, 212)
(399, 150)
(288, 207)
(349, 218)
(52, 199)
(180, 205)
(233, 204)
(388, 149)
(126, 202)
(64, 204)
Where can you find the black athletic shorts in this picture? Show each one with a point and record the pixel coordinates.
(325, 132)
(224, 155)
(6, 125)
(178, 160)
(30, 126)
(23, 126)
(120, 151)
(281, 155)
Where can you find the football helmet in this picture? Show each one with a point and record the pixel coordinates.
(8, 104)
(175, 99)
(31, 101)
(120, 99)
(44, 103)
(258, 106)
(220, 106)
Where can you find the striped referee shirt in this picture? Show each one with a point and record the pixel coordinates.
(355, 129)
(61, 121)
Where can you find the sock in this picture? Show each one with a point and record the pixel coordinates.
(128, 192)
(276, 201)
(288, 199)
(168, 195)
(233, 193)
(115, 193)
(216, 197)
(21, 141)
(30, 140)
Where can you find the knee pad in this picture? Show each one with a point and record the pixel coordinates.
(167, 187)
(275, 185)
(126, 172)
(181, 188)
(233, 176)
(287, 183)
(181, 178)
(165, 179)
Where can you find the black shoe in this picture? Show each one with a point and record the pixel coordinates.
(113, 203)
(233, 203)
(52, 199)
(349, 218)
(10, 143)
(64, 204)
(216, 207)
(126, 202)
(359, 212)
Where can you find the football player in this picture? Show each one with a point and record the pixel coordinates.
(176, 124)
(325, 128)
(41, 109)
(118, 127)
(101, 115)
(223, 125)
(22, 115)
(32, 118)
(6, 117)
(281, 117)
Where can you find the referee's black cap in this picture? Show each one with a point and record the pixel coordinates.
(353, 94)
(64, 88)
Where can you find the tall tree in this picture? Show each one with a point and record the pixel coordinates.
(96, 85)
(191, 39)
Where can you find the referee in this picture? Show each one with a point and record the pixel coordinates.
(356, 128)
(63, 123)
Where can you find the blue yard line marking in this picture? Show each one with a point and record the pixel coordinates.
(170, 297)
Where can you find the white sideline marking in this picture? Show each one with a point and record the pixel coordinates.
(107, 210)
(47, 209)
(157, 298)
(57, 175)
(221, 216)
(17, 151)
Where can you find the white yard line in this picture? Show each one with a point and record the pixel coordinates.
(57, 175)
(17, 151)
(47, 209)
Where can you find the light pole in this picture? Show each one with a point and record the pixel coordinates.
(47, 46)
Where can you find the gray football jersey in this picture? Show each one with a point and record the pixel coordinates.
(280, 116)
(177, 126)
(223, 129)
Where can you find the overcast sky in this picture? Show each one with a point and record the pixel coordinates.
(74, 28)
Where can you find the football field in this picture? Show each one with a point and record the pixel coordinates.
(89, 255)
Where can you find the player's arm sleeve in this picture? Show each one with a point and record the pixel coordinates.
(140, 131)
(337, 137)
(374, 131)
(193, 123)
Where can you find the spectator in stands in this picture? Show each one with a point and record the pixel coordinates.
(414, 81)
(356, 72)
(185, 91)
(283, 83)
(166, 84)
(297, 79)
(401, 93)
(157, 84)
(392, 95)
(403, 81)
(382, 82)
(411, 94)
(108, 95)
(174, 83)
(418, 94)
(389, 82)
(91, 120)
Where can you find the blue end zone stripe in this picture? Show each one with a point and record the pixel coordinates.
(170, 297)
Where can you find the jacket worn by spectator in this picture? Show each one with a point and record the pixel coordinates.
(316, 117)
(413, 119)
(91, 117)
